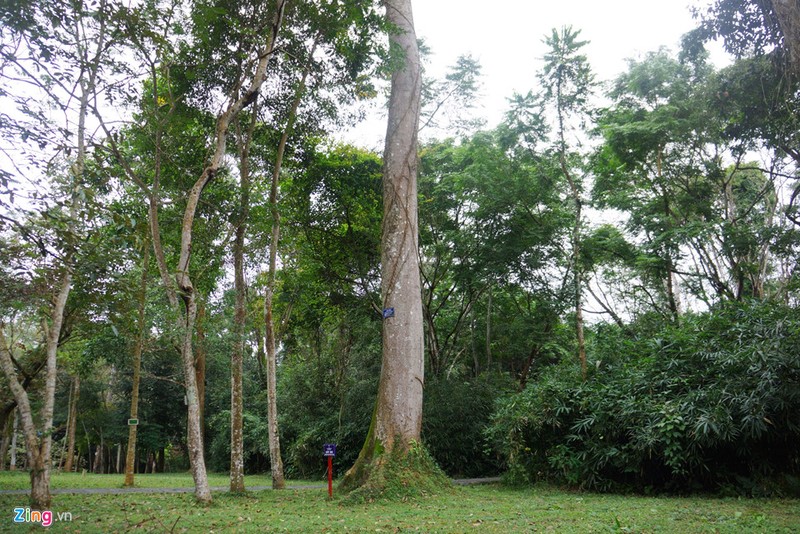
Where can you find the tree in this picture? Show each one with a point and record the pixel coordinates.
(138, 348)
(568, 81)
(766, 33)
(397, 422)
(676, 139)
(77, 49)
(755, 27)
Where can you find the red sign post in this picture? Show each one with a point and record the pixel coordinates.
(329, 451)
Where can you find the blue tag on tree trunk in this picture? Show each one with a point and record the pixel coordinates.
(388, 312)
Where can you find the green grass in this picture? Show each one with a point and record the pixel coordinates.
(471, 509)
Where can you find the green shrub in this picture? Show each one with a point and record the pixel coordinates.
(456, 414)
(711, 403)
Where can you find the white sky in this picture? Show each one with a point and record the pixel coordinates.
(506, 37)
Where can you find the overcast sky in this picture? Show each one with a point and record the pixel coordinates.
(506, 37)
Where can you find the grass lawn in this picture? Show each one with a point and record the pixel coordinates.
(21, 480)
(469, 509)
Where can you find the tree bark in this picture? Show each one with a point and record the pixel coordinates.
(788, 14)
(12, 464)
(7, 426)
(72, 423)
(245, 140)
(489, 329)
(130, 456)
(397, 419)
(200, 365)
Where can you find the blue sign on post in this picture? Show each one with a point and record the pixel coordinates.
(329, 449)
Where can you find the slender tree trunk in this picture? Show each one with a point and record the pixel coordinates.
(8, 424)
(194, 428)
(130, 456)
(489, 329)
(40, 463)
(12, 465)
(39, 449)
(182, 278)
(579, 334)
(181, 284)
(576, 241)
(476, 365)
(397, 420)
(200, 366)
(99, 456)
(72, 423)
(245, 140)
(270, 343)
(526, 369)
(39, 443)
(276, 463)
(237, 439)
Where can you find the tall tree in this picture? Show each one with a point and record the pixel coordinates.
(568, 80)
(75, 52)
(138, 348)
(397, 420)
(270, 339)
(72, 422)
(240, 86)
(236, 102)
(244, 140)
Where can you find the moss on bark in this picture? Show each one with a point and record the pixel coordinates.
(399, 474)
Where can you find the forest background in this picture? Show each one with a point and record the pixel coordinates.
(609, 274)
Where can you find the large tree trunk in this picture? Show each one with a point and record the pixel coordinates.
(397, 420)
(788, 14)
(72, 422)
(130, 456)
